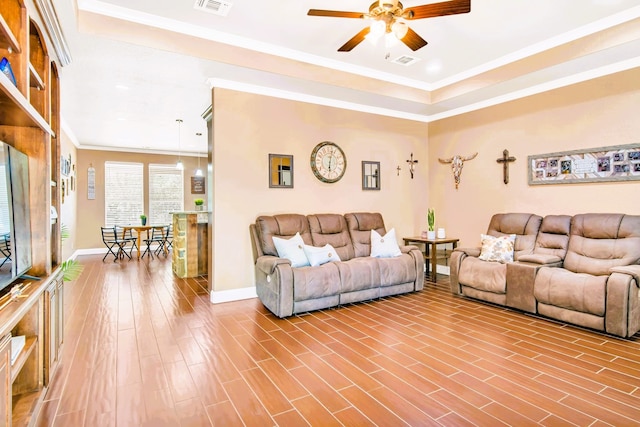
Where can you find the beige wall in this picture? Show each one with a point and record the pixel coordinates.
(248, 127)
(68, 207)
(91, 212)
(598, 113)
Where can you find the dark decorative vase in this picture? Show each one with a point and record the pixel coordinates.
(144, 221)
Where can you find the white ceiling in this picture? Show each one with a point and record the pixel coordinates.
(140, 65)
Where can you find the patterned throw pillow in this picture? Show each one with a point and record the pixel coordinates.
(498, 249)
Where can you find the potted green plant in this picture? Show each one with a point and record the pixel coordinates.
(143, 219)
(71, 269)
(431, 222)
(199, 204)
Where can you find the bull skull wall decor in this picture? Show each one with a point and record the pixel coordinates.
(457, 162)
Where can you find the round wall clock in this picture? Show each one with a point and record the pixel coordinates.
(328, 162)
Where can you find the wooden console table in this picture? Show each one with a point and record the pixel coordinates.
(430, 250)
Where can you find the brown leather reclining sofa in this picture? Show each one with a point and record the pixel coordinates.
(582, 270)
(287, 290)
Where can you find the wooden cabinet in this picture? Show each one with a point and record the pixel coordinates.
(37, 316)
(54, 331)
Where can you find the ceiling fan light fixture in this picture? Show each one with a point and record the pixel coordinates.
(377, 29)
(399, 29)
(390, 40)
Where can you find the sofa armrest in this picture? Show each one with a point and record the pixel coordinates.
(631, 270)
(521, 277)
(418, 259)
(268, 263)
(406, 249)
(623, 301)
(474, 252)
(457, 256)
(542, 259)
(274, 284)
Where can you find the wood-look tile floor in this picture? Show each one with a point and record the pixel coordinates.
(143, 348)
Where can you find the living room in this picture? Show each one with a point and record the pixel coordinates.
(589, 113)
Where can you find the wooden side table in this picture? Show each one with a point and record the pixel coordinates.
(430, 250)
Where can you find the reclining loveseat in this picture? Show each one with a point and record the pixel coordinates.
(583, 270)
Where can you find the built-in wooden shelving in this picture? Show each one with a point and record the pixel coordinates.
(30, 121)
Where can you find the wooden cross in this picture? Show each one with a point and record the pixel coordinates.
(505, 160)
(411, 165)
(398, 169)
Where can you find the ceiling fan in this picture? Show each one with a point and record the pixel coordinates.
(388, 17)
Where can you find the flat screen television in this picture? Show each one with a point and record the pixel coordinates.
(15, 223)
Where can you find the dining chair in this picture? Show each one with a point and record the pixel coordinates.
(128, 235)
(5, 248)
(168, 236)
(157, 236)
(115, 244)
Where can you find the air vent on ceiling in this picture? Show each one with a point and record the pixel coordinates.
(217, 7)
(406, 60)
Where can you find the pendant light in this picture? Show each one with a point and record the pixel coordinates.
(179, 165)
(198, 171)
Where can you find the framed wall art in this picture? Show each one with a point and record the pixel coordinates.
(614, 163)
(280, 171)
(370, 175)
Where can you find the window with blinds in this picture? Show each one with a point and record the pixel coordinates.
(123, 193)
(166, 192)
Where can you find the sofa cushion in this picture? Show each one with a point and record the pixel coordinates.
(553, 237)
(359, 273)
(482, 275)
(331, 229)
(384, 246)
(574, 291)
(316, 282)
(284, 226)
(319, 256)
(393, 271)
(360, 225)
(498, 249)
(599, 242)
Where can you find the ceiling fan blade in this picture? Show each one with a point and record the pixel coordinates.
(452, 7)
(413, 40)
(335, 13)
(355, 40)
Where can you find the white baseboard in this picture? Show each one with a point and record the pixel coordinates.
(100, 251)
(218, 297)
(94, 251)
(442, 269)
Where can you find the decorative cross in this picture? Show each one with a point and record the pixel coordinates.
(398, 169)
(505, 160)
(411, 165)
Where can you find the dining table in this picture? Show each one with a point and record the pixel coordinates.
(139, 229)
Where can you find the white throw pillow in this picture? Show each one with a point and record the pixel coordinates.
(498, 249)
(292, 249)
(318, 256)
(384, 246)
